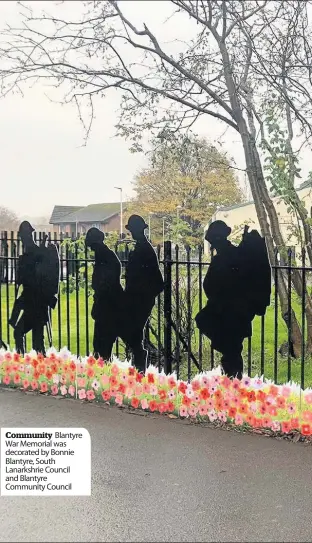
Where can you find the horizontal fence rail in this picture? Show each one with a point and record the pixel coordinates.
(172, 338)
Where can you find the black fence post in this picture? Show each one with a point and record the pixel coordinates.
(168, 306)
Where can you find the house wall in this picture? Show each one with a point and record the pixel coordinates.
(246, 214)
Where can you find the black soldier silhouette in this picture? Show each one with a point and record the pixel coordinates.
(144, 282)
(238, 287)
(107, 294)
(38, 273)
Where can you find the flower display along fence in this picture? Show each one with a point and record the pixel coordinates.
(250, 403)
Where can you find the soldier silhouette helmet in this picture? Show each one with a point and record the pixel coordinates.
(217, 231)
(25, 228)
(136, 224)
(94, 236)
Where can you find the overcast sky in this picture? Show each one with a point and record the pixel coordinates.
(43, 162)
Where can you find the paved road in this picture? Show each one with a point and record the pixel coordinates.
(156, 479)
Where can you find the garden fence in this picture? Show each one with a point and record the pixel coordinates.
(172, 337)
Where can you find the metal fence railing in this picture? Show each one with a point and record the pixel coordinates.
(172, 337)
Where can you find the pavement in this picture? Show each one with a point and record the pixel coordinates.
(157, 479)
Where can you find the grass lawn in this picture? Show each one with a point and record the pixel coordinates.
(72, 326)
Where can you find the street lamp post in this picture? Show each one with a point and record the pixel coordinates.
(121, 219)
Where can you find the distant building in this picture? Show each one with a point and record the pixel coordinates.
(239, 215)
(74, 220)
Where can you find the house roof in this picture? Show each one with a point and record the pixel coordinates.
(303, 185)
(92, 213)
(61, 211)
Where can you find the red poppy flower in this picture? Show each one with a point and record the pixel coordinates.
(34, 363)
(251, 396)
(162, 407)
(280, 402)
(294, 423)
(113, 381)
(91, 361)
(153, 405)
(17, 378)
(150, 378)
(162, 394)
(16, 357)
(53, 367)
(131, 371)
(204, 394)
(261, 396)
(122, 388)
(306, 429)
(182, 387)
(90, 373)
(186, 401)
(243, 409)
(286, 427)
(195, 385)
(135, 402)
(232, 412)
(106, 395)
(139, 377)
(44, 387)
(49, 374)
(218, 394)
(273, 390)
(36, 374)
(170, 406)
(40, 357)
(72, 366)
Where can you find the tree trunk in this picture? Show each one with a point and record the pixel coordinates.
(263, 203)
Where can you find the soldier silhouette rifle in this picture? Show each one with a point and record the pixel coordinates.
(107, 294)
(38, 273)
(144, 283)
(238, 287)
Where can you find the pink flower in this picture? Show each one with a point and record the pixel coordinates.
(195, 384)
(210, 404)
(222, 416)
(54, 390)
(238, 420)
(162, 379)
(63, 390)
(146, 388)
(253, 407)
(144, 403)
(118, 399)
(6, 379)
(246, 381)
(212, 389)
(212, 416)
(80, 368)
(205, 380)
(307, 416)
(95, 385)
(236, 384)
(286, 391)
(203, 410)
(171, 381)
(216, 379)
(258, 383)
(82, 394)
(104, 380)
(56, 379)
(124, 378)
(71, 390)
(193, 411)
(21, 368)
(114, 369)
(171, 395)
(90, 395)
(189, 393)
(81, 382)
(28, 371)
(196, 398)
(100, 362)
(138, 390)
(275, 426)
(129, 392)
(291, 408)
(308, 397)
(153, 390)
(26, 383)
(183, 411)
